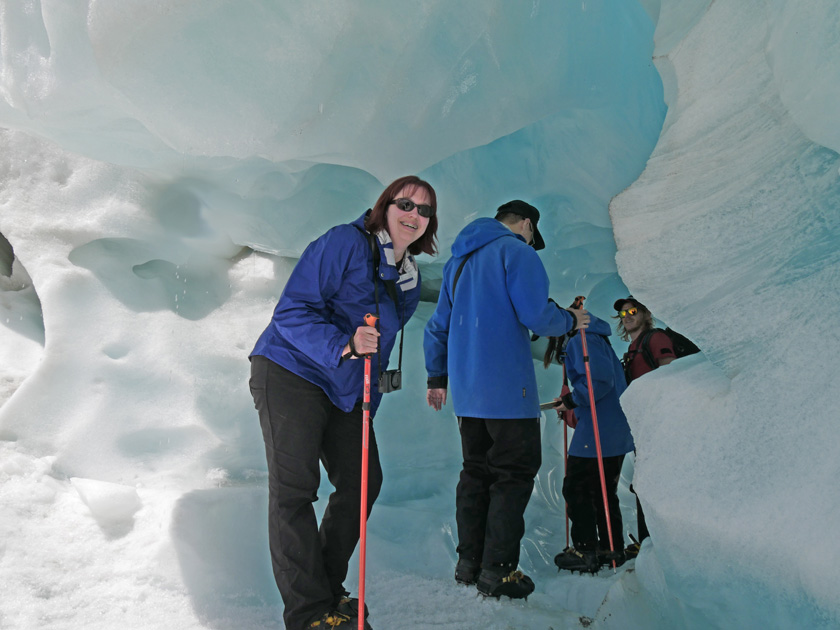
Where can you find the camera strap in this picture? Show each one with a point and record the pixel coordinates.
(391, 288)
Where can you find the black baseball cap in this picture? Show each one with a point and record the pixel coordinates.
(529, 212)
(631, 299)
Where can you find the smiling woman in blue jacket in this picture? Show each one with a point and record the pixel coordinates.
(307, 386)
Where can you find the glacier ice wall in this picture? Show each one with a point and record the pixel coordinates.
(731, 234)
(153, 148)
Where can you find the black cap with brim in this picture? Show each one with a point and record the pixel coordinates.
(529, 212)
(629, 298)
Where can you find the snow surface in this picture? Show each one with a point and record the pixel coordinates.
(165, 162)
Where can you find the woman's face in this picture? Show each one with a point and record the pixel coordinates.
(407, 227)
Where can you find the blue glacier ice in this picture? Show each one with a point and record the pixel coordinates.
(163, 165)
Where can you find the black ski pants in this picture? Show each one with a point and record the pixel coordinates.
(501, 459)
(641, 523)
(582, 491)
(302, 427)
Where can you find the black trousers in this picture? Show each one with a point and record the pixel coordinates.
(300, 427)
(582, 491)
(641, 523)
(501, 459)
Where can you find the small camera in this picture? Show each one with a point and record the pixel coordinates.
(390, 381)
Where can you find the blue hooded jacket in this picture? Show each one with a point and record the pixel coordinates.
(326, 298)
(481, 341)
(608, 383)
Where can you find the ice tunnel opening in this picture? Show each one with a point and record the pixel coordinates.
(7, 256)
(21, 322)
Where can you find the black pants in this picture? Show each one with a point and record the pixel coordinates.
(641, 523)
(582, 491)
(300, 427)
(501, 459)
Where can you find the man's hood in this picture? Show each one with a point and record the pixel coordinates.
(478, 233)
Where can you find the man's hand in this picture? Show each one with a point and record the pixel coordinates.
(581, 316)
(436, 398)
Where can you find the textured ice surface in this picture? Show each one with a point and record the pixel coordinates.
(732, 234)
(164, 163)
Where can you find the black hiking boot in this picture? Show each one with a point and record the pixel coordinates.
(334, 619)
(606, 557)
(349, 606)
(575, 560)
(632, 550)
(466, 571)
(498, 581)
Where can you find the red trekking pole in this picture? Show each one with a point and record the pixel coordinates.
(597, 441)
(370, 320)
(566, 461)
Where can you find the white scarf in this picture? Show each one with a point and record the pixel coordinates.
(409, 275)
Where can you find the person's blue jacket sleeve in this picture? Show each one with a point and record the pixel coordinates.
(302, 309)
(436, 339)
(528, 284)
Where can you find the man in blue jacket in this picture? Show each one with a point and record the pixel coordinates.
(495, 289)
(582, 484)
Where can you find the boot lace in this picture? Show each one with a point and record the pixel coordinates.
(331, 620)
(573, 552)
(514, 576)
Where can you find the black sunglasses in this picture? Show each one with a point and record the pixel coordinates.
(407, 205)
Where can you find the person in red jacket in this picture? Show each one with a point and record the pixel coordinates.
(634, 321)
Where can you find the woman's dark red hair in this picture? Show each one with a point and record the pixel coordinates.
(378, 219)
